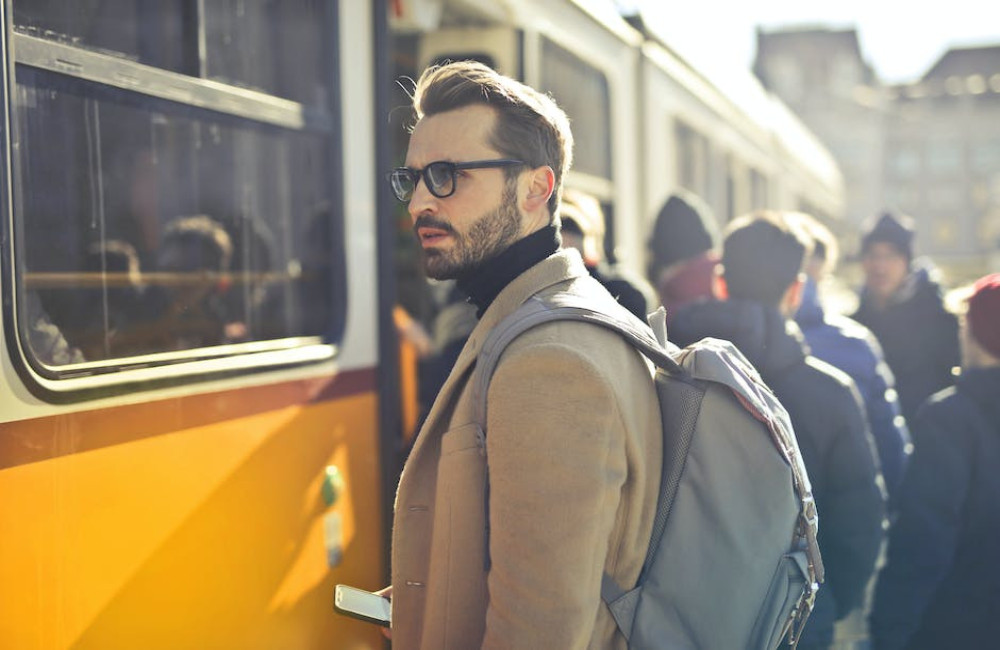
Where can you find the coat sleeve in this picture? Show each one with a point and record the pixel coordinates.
(892, 436)
(556, 465)
(852, 516)
(945, 347)
(923, 539)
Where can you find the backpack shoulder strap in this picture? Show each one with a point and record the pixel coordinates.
(537, 311)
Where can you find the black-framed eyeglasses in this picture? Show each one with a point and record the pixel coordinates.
(439, 176)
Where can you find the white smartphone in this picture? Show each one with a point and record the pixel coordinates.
(363, 605)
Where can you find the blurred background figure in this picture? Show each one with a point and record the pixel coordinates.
(682, 251)
(583, 229)
(941, 585)
(759, 292)
(850, 346)
(45, 339)
(193, 260)
(108, 310)
(903, 305)
(415, 344)
(449, 331)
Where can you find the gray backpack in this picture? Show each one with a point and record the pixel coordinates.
(733, 560)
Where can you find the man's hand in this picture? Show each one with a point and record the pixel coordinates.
(386, 593)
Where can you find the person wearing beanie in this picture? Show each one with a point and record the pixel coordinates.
(850, 346)
(902, 304)
(939, 588)
(682, 251)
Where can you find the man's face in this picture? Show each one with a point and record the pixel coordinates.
(482, 218)
(885, 269)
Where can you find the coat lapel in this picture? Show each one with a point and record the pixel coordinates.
(559, 267)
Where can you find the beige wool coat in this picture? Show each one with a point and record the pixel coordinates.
(574, 452)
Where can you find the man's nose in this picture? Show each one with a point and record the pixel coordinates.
(422, 201)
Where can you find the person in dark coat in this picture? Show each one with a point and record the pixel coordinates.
(682, 251)
(850, 346)
(762, 257)
(941, 585)
(902, 304)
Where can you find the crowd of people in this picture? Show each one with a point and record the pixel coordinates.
(894, 408)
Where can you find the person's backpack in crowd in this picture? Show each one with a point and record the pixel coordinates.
(733, 560)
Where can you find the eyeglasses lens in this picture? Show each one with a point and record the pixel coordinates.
(402, 184)
(441, 178)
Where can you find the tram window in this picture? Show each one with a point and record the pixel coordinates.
(275, 46)
(170, 228)
(158, 219)
(582, 91)
(758, 190)
(692, 159)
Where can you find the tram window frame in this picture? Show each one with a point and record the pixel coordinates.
(155, 92)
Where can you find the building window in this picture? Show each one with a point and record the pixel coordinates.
(904, 161)
(785, 76)
(944, 156)
(985, 156)
(844, 74)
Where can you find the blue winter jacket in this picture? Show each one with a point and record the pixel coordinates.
(851, 347)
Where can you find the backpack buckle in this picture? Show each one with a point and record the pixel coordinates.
(800, 613)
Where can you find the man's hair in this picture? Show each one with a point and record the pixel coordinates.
(529, 127)
(206, 244)
(824, 244)
(762, 255)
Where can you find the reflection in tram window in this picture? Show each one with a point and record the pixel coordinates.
(106, 172)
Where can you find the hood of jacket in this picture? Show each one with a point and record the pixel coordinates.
(766, 338)
(983, 386)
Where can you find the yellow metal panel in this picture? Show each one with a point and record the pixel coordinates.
(205, 537)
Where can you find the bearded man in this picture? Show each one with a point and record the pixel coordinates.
(574, 448)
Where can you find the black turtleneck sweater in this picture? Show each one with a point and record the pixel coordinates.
(485, 282)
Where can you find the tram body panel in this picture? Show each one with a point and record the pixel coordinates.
(191, 522)
(212, 500)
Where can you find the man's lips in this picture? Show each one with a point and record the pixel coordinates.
(430, 235)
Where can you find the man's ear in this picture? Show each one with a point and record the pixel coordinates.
(719, 287)
(541, 184)
(792, 298)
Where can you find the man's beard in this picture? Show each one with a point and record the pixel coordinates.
(487, 238)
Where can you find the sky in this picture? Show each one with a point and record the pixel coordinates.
(901, 40)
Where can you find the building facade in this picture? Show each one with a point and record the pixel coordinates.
(930, 149)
